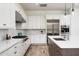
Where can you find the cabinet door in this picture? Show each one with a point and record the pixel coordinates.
(27, 44)
(39, 38)
(12, 16)
(35, 38)
(20, 49)
(16, 50)
(4, 15)
(42, 22)
(9, 52)
(30, 22)
(7, 19)
(24, 25)
(42, 38)
(36, 22)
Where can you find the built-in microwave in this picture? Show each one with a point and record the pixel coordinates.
(64, 28)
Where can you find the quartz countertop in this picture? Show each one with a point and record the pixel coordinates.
(73, 42)
(5, 44)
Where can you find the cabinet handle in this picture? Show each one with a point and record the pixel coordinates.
(22, 45)
(4, 24)
(15, 47)
(15, 52)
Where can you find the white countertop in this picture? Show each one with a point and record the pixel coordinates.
(4, 45)
(73, 42)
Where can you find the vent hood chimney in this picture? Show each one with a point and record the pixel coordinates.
(19, 18)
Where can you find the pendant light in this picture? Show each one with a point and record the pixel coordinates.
(73, 9)
(65, 11)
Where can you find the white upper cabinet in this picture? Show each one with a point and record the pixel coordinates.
(7, 16)
(43, 22)
(36, 22)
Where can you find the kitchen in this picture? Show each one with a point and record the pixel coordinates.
(39, 29)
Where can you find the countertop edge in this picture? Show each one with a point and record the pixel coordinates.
(69, 44)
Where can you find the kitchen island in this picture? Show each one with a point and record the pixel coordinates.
(63, 48)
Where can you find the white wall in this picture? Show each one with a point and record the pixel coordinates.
(75, 24)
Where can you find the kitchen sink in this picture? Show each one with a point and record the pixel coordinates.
(59, 39)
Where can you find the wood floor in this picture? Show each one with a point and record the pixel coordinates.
(38, 50)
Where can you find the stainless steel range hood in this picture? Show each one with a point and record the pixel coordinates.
(19, 18)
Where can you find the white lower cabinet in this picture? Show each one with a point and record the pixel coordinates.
(17, 50)
(9, 52)
(36, 39)
(27, 44)
(43, 38)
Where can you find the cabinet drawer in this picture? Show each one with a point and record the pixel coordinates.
(13, 51)
(20, 49)
(8, 52)
(17, 50)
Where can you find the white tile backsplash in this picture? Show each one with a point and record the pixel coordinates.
(35, 32)
(15, 32)
(11, 32)
(3, 34)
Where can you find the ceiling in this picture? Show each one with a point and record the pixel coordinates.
(50, 6)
